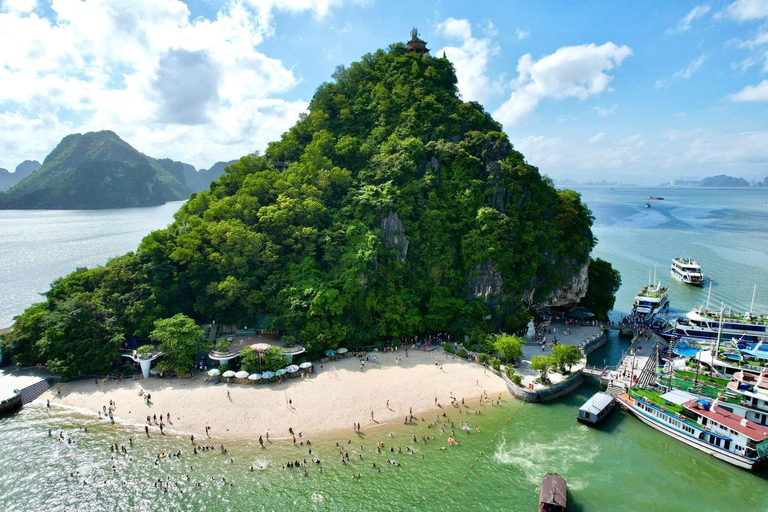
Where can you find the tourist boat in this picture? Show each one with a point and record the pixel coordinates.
(10, 399)
(686, 271)
(647, 205)
(553, 496)
(651, 301)
(704, 425)
(702, 325)
(596, 408)
(655, 198)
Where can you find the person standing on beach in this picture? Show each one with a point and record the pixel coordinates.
(372, 416)
(229, 397)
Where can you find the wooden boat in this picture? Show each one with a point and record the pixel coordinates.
(554, 493)
(655, 198)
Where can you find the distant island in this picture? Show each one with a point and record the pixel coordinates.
(100, 170)
(24, 169)
(721, 180)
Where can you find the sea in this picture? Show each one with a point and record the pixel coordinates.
(621, 465)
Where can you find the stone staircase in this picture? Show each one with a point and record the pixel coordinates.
(30, 393)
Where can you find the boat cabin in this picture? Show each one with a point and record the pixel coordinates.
(596, 408)
(554, 493)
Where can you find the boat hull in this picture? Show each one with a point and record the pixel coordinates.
(11, 405)
(713, 451)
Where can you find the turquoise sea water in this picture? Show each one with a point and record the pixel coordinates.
(622, 465)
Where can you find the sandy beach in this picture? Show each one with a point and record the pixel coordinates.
(330, 400)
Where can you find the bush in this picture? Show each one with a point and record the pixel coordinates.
(448, 347)
(462, 353)
(495, 364)
(509, 371)
(144, 350)
(517, 380)
(483, 357)
(224, 367)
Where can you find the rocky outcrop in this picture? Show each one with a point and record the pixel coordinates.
(571, 291)
(486, 283)
(393, 233)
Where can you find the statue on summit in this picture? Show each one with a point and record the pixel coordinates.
(414, 33)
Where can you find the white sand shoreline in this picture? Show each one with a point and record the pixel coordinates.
(324, 405)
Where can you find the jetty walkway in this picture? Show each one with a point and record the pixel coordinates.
(637, 366)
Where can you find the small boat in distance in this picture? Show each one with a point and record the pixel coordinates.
(655, 198)
(596, 408)
(686, 271)
(554, 493)
(647, 205)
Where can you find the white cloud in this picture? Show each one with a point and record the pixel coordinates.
(596, 138)
(685, 23)
(661, 82)
(694, 66)
(757, 92)
(570, 72)
(649, 158)
(522, 34)
(605, 112)
(747, 10)
(193, 89)
(470, 60)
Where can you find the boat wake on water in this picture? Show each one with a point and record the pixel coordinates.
(537, 459)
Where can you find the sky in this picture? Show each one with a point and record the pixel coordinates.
(638, 92)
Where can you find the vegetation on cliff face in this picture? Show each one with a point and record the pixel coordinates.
(604, 282)
(97, 170)
(391, 208)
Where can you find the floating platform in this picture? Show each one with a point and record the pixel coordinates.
(596, 408)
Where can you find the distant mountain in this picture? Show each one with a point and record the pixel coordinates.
(721, 180)
(24, 169)
(200, 180)
(97, 170)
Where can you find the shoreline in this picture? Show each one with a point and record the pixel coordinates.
(322, 406)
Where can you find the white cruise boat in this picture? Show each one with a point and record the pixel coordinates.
(702, 325)
(651, 300)
(686, 271)
(752, 389)
(704, 425)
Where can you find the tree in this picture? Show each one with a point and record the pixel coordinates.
(274, 359)
(542, 364)
(249, 360)
(565, 356)
(509, 347)
(178, 338)
(604, 282)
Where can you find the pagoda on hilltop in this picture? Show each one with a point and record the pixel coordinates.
(416, 45)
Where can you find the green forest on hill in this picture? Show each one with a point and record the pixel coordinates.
(384, 212)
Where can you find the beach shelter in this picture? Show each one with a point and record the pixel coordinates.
(254, 376)
(292, 368)
(280, 372)
(306, 365)
(260, 347)
(342, 350)
(214, 373)
(241, 375)
(267, 375)
(228, 374)
(330, 353)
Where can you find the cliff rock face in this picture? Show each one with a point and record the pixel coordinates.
(486, 283)
(571, 291)
(393, 234)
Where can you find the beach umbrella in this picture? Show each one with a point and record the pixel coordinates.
(280, 372)
(292, 368)
(330, 353)
(267, 375)
(241, 375)
(228, 374)
(254, 376)
(306, 365)
(342, 350)
(260, 347)
(214, 372)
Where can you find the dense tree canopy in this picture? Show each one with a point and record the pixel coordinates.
(604, 282)
(391, 208)
(178, 337)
